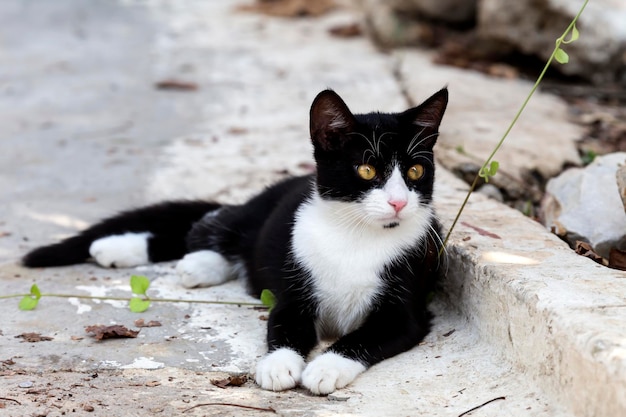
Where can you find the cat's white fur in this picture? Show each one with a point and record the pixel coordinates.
(329, 372)
(121, 251)
(204, 268)
(280, 370)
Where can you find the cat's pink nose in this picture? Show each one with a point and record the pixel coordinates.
(397, 204)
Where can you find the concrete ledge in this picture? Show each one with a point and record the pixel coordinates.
(558, 317)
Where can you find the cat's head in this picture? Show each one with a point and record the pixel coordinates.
(383, 162)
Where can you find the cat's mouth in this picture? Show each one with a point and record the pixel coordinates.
(391, 225)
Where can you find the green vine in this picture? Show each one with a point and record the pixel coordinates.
(490, 167)
(138, 303)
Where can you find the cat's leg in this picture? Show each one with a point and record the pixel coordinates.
(121, 251)
(207, 264)
(291, 336)
(204, 268)
(386, 333)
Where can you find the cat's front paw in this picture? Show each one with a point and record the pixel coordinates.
(329, 372)
(279, 370)
(203, 268)
(121, 251)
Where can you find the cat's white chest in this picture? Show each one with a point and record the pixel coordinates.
(345, 265)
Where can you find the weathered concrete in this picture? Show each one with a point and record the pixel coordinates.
(83, 140)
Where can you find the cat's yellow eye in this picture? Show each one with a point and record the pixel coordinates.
(415, 172)
(366, 171)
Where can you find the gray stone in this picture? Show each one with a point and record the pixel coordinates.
(584, 204)
(491, 191)
(533, 26)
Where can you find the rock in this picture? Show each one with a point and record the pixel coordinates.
(480, 109)
(531, 27)
(584, 204)
(491, 191)
(405, 22)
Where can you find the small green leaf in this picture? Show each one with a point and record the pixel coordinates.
(493, 168)
(268, 299)
(588, 157)
(561, 56)
(489, 171)
(139, 284)
(138, 305)
(28, 303)
(34, 291)
(573, 37)
(575, 34)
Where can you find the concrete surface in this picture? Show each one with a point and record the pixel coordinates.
(86, 133)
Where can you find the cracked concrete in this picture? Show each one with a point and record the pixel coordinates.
(86, 133)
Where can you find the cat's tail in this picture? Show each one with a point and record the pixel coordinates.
(163, 227)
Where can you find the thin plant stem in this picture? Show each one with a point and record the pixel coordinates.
(162, 300)
(557, 47)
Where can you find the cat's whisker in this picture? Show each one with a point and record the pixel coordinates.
(413, 143)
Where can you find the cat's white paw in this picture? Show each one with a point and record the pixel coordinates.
(279, 370)
(121, 251)
(329, 372)
(204, 268)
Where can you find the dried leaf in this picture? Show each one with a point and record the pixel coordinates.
(231, 381)
(176, 85)
(350, 30)
(585, 249)
(110, 332)
(151, 323)
(617, 259)
(33, 337)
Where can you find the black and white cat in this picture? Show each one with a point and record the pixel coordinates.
(351, 252)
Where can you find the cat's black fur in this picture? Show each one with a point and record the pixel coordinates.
(259, 234)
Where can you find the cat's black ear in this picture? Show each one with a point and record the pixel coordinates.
(429, 113)
(330, 120)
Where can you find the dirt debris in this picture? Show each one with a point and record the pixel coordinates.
(33, 337)
(116, 331)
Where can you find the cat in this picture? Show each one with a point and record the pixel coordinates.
(351, 252)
